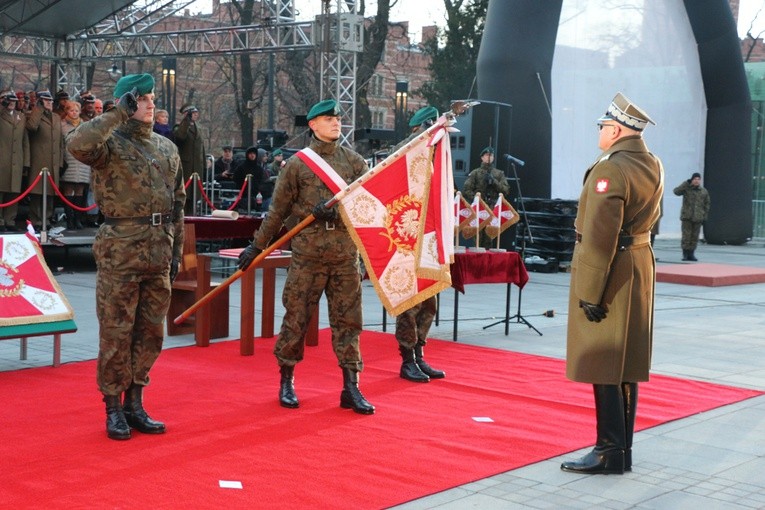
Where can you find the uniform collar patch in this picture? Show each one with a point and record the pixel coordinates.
(601, 185)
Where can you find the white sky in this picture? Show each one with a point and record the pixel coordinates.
(421, 13)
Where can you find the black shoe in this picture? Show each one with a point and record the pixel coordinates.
(136, 416)
(351, 397)
(426, 369)
(287, 396)
(608, 462)
(116, 424)
(409, 369)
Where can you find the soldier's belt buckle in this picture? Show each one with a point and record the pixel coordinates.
(329, 225)
(156, 219)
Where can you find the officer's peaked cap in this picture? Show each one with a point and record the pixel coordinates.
(626, 113)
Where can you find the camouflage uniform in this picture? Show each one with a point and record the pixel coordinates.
(323, 259)
(693, 213)
(135, 174)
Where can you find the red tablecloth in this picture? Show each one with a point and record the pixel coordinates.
(488, 267)
(207, 228)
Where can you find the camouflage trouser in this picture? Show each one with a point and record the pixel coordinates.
(132, 298)
(413, 325)
(690, 231)
(306, 280)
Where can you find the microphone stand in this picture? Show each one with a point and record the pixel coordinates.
(519, 319)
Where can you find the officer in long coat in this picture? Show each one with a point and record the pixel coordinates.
(138, 186)
(46, 150)
(191, 148)
(610, 317)
(324, 259)
(14, 157)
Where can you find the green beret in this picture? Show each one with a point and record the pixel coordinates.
(487, 150)
(326, 107)
(144, 83)
(422, 115)
(277, 152)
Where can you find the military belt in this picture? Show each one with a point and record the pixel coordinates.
(155, 220)
(627, 242)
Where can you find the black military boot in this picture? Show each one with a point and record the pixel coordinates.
(692, 256)
(69, 212)
(426, 369)
(116, 425)
(287, 397)
(608, 455)
(351, 397)
(136, 415)
(629, 396)
(409, 369)
(685, 255)
(80, 201)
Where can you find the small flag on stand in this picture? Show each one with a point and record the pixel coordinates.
(504, 217)
(482, 217)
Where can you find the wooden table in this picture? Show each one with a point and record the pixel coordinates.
(208, 228)
(247, 285)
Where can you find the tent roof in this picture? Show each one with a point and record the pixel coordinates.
(55, 19)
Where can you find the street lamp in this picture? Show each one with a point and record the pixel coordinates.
(402, 92)
(168, 87)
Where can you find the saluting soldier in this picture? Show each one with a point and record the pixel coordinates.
(46, 150)
(188, 137)
(138, 186)
(413, 325)
(324, 259)
(693, 213)
(610, 310)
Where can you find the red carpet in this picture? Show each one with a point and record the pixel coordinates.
(709, 275)
(225, 424)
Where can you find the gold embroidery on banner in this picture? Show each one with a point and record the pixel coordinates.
(10, 286)
(399, 280)
(402, 223)
(362, 210)
(43, 301)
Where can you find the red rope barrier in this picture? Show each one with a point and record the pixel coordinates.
(209, 203)
(65, 200)
(26, 192)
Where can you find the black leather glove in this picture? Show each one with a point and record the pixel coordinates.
(247, 256)
(594, 313)
(322, 213)
(174, 265)
(128, 102)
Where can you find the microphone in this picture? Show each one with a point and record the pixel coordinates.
(517, 161)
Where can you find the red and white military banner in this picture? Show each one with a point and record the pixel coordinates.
(463, 213)
(397, 217)
(504, 217)
(28, 292)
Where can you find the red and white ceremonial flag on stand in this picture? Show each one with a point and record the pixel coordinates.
(482, 217)
(397, 214)
(28, 292)
(504, 217)
(463, 213)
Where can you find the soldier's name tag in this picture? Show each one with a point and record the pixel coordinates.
(601, 185)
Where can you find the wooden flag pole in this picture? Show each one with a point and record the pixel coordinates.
(238, 273)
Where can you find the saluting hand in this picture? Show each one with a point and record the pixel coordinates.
(128, 102)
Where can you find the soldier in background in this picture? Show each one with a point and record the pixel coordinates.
(14, 157)
(490, 182)
(693, 214)
(138, 186)
(324, 260)
(610, 308)
(87, 106)
(413, 325)
(277, 164)
(46, 150)
(188, 137)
